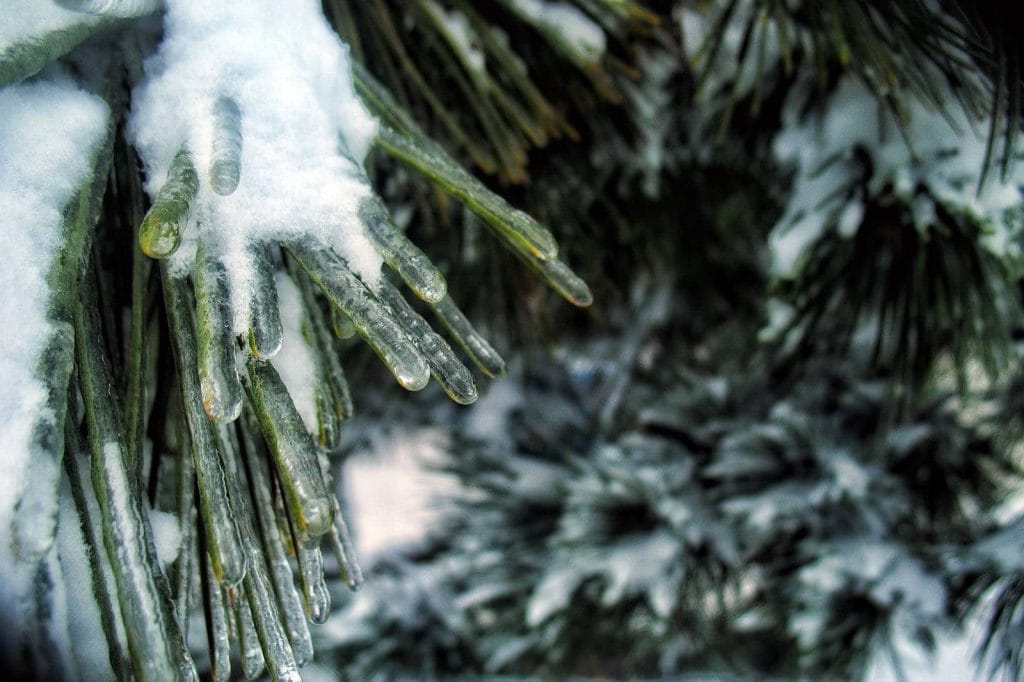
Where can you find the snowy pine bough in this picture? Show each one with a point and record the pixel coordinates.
(252, 126)
(205, 209)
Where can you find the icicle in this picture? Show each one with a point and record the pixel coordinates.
(444, 365)
(372, 320)
(161, 229)
(293, 450)
(476, 347)
(222, 390)
(265, 332)
(217, 622)
(226, 159)
(411, 264)
(428, 158)
(288, 598)
(124, 9)
(314, 586)
(224, 543)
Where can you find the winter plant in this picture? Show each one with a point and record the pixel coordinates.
(782, 442)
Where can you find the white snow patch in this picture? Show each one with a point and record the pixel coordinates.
(461, 35)
(638, 565)
(304, 131)
(166, 536)
(295, 362)
(935, 163)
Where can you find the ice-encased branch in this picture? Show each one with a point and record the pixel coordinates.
(226, 156)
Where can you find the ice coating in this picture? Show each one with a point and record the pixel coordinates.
(303, 132)
(22, 20)
(49, 131)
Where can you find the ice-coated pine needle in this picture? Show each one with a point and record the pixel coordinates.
(345, 552)
(402, 138)
(404, 257)
(248, 643)
(328, 425)
(99, 570)
(562, 279)
(29, 54)
(265, 331)
(113, 8)
(372, 319)
(342, 326)
(428, 158)
(222, 536)
(314, 585)
(261, 605)
(475, 346)
(288, 599)
(340, 537)
(276, 648)
(217, 625)
(555, 273)
(160, 233)
(185, 502)
(222, 390)
(445, 366)
(226, 157)
(333, 373)
(294, 453)
(155, 643)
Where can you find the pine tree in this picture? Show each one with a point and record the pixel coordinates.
(778, 444)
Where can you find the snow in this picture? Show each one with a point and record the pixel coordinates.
(935, 163)
(294, 362)
(304, 132)
(578, 32)
(49, 130)
(461, 35)
(638, 565)
(166, 536)
(724, 78)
